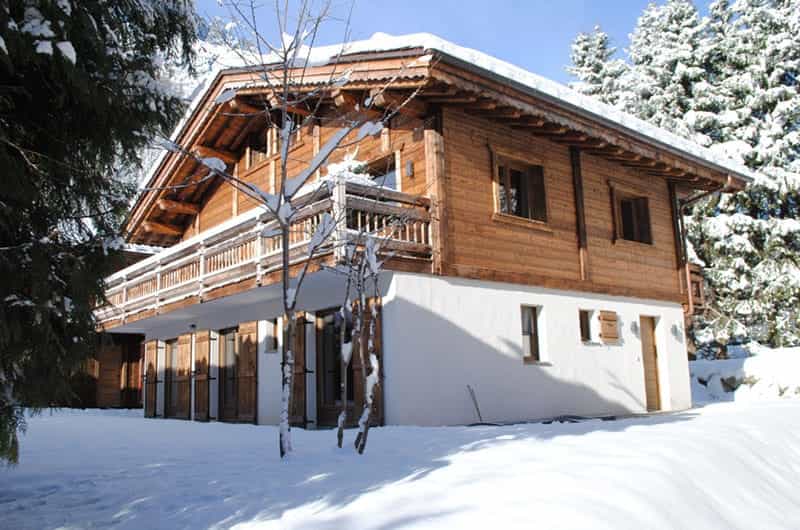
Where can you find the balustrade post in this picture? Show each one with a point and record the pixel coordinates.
(124, 296)
(259, 250)
(339, 214)
(201, 275)
(158, 285)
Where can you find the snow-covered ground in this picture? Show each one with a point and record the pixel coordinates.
(728, 465)
(767, 374)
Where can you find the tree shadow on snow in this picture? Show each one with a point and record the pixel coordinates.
(178, 474)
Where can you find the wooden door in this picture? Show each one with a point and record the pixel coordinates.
(247, 344)
(297, 414)
(228, 360)
(179, 373)
(358, 378)
(329, 371)
(109, 387)
(647, 326)
(151, 376)
(202, 343)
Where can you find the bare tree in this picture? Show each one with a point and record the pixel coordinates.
(280, 70)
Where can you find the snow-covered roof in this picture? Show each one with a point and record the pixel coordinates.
(562, 94)
(541, 86)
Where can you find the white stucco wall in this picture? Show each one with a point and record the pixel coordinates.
(442, 334)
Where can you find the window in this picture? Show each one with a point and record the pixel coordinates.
(586, 325)
(633, 219)
(383, 171)
(257, 143)
(520, 189)
(531, 352)
(272, 334)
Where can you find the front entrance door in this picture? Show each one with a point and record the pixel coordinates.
(650, 362)
(329, 371)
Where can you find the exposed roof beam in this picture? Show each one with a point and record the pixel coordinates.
(178, 207)
(161, 228)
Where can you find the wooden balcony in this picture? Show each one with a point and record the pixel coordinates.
(236, 250)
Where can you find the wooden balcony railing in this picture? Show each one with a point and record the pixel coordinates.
(236, 250)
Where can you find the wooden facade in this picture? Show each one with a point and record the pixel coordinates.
(495, 181)
(114, 373)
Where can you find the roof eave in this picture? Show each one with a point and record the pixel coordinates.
(475, 69)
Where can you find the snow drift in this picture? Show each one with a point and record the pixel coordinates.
(726, 466)
(768, 374)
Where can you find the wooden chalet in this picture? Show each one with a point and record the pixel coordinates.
(541, 261)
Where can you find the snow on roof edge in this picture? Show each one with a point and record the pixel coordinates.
(380, 42)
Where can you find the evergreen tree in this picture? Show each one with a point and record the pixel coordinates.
(750, 241)
(664, 65)
(79, 99)
(593, 64)
(730, 82)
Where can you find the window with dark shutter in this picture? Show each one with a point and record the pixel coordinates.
(633, 218)
(521, 190)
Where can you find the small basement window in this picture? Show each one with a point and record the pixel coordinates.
(585, 318)
(531, 349)
(383, 171)
(520, 190)
(633, 219)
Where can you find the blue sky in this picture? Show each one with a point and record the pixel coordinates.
(533, 34)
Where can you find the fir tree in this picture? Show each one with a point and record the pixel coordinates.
(593, 64)
(79, 99)
(750, 241)
(730, 82)
(664, 65)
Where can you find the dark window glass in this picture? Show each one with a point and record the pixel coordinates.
(586, 325)
(634, 219)
(383, 172)
(522, 192)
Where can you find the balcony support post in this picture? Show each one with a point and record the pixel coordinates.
(339, 214)
(201, 275)
(259, 250)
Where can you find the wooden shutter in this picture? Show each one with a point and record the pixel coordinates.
(150, 375)
(537, 201)
(609, 326)
(642, 215)
(202, 358)
(297, 415)
(247, 344)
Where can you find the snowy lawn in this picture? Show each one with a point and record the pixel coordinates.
(729, 465)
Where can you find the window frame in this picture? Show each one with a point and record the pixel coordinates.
(529, 356)
(620, 194)
(394, 156)
(525, 165)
